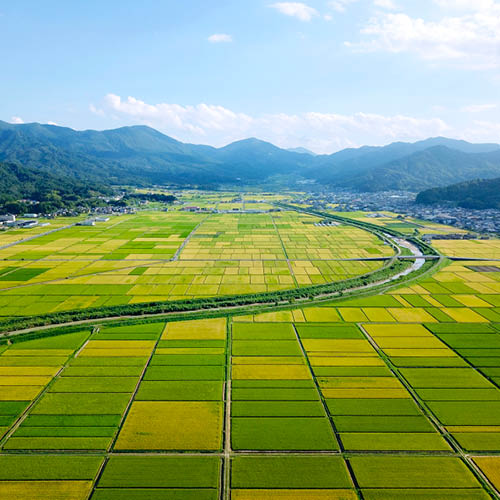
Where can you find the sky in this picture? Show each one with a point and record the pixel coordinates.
(320, 74)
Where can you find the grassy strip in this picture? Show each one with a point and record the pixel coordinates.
(239, 304)
(253, 307)
(290, 296)
(53, 332)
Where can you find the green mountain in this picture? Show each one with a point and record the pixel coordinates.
(479, 194)
(436, 166)
(50, 191)
(398, 165)
(140, 155)
(127, 155)
(143, 156)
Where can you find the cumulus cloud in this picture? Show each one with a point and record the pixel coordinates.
(340, 5)
(479, 108)
(96, 110)
(471, 5)
(220, 38)
(17, 120)
(298, 10)
(384, 4)
(194, 120)
(320, 132)
(482, 131)
(470, 39)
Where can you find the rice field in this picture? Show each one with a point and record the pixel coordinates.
(385, 397)
(44, 225)
(481, 249)
(161, 256)
(404, 224)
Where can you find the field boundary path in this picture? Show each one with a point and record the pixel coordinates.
(285, 252)
(186, 241)
(35, 236)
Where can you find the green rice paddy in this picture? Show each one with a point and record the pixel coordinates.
(381, 397)
(161, 256)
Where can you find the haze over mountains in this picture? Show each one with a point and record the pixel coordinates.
(142, 155)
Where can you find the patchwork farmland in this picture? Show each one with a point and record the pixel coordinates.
(158, 256)
(379, 397)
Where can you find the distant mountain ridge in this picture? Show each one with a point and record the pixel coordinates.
(302, 150)
(359, 168)
(142, 155)
(432, 167)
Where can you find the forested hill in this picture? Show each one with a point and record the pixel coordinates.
(51, 192)
(479, 193)
(141, 155)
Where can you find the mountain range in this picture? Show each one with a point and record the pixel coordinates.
(143, 156)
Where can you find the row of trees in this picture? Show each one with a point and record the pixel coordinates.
(277, 297)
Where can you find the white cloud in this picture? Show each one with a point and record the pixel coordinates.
(479, 108)
(482, 131)
(385, 4)
(53, 123)
(220, 38)
(321, 132)
(340, 5)
(471, 40)
(194, 120)
(95, 110)
(470, 5)
(298, 10)
(17, 120)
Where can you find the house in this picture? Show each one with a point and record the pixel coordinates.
(27, 224)
(7, 218)
(88, 222)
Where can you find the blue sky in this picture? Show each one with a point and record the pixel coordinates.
(319, 74)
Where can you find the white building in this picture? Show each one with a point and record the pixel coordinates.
(88, 222)
(7, 218)
(27, 224)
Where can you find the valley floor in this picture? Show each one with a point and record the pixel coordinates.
(382, 397)
(385, 397)
(162, 256)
